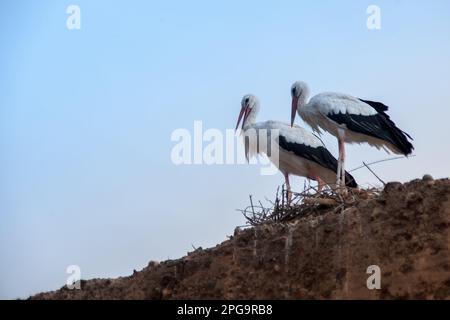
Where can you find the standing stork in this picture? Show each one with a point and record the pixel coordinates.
(351, 120)
(300, 152)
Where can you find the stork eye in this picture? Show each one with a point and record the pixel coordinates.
(247, 100)
(293, 91)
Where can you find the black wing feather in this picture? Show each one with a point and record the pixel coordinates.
(380, 107)
(378, 126)
(319, 155)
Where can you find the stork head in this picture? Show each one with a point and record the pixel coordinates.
(249, 103)
(299, 93)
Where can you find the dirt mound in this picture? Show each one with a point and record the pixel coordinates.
(404, 230)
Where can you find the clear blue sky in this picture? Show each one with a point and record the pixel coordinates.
(86, 117)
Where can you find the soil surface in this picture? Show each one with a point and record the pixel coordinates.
(405, 231)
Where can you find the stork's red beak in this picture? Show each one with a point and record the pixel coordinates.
(293, 110)
(245, 111)
(241, 114)
(240, 117)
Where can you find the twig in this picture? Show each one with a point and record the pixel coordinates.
(383, 160)
(251, 203)
(374, 174)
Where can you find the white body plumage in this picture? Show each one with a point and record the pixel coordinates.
(298, 151)
(287, 161)
(361, 121)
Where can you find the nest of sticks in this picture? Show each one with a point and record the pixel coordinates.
(308, 202)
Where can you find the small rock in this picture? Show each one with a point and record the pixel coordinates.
(427, 177)
(188, 257)
(153, 264)
(166, 292)
(393, 186)
(412, 198)
(376, 213)
(276, 268)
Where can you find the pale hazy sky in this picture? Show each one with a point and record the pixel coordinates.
(86, 117)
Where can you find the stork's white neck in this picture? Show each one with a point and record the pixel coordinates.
(303, 99)
(302, 89)
(251, 119)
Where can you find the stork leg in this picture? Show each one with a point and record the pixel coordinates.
(341, 165)
(288, 187)
(338, 173)
(320, 184)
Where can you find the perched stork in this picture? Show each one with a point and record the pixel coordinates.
(349, 119)
(300, 152)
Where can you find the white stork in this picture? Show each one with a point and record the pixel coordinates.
(351, 120)
(300, 152)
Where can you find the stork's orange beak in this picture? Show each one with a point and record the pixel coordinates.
(293, 110)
